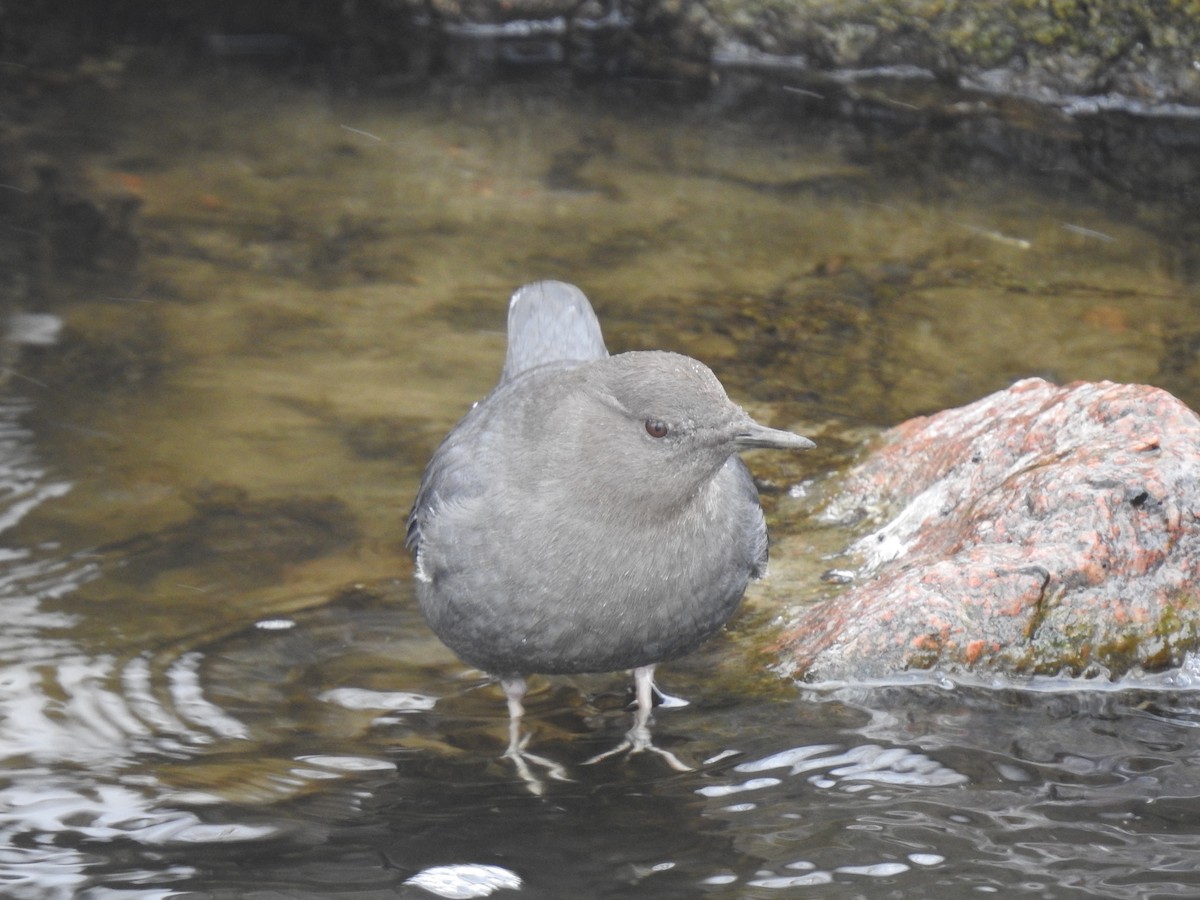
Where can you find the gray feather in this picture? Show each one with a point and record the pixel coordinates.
(550, 321)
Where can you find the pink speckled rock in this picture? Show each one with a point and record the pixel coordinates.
(1041, 529)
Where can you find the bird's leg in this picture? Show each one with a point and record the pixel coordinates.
(514, 692)
(638, 738)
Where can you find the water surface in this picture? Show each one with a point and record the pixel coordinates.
(213, 676)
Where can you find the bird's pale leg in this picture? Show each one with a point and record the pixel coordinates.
(514, 692)
(638, 738)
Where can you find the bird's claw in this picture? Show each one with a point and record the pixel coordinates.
(637, 740)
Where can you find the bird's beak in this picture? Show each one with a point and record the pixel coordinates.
(751, 434)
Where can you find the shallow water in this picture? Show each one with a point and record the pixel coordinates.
(214, 680)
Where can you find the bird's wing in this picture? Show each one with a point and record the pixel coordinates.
(550, 321)
(453, 475)
(755, 524)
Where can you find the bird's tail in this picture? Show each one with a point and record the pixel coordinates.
(550, 321)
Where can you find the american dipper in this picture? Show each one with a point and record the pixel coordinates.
(591, 513)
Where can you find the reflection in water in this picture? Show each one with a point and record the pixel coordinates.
(69, 726)
(463, 881)
(859, 766)
(79, 734)
(235, 692)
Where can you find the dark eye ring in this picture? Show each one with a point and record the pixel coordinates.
(656, 428)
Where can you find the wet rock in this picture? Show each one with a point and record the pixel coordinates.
(1138, 51)
(1043, 529)
(1126, 54)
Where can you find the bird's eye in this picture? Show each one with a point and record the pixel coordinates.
(656, 429)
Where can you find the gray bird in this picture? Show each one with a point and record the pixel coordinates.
(591, 513)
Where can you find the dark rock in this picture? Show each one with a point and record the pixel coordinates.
(1134, 55)
(1042, 529)
(1078, 55)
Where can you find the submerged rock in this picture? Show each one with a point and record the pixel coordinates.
(1043, 529)
(248, 540)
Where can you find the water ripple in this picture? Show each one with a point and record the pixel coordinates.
(864, 763)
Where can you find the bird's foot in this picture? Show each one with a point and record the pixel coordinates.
(639, 740)
(523, 761)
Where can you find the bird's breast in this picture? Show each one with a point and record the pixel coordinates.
(570, 587)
